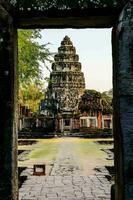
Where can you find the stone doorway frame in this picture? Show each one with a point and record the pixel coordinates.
(122, 45)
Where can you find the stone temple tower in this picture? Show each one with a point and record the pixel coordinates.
(67, 82)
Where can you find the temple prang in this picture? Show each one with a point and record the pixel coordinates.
(67, 101)
(67, 80)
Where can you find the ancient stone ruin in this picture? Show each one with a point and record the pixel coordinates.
(68, 102)
(16, 14)
(67, 81)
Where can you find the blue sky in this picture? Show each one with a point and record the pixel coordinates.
(95, 54)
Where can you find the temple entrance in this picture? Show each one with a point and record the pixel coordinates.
(66, 124)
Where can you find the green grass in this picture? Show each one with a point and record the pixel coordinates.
(44, 151)
(86, 151)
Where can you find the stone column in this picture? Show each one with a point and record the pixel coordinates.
(8, 104)
(62, 125)
(72, 124)
(123, 102)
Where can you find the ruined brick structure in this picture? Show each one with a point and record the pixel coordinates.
(96, 111)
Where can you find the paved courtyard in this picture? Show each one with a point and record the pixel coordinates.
(67, 181)
(65, 188)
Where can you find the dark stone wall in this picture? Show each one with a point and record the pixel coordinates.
(123, 102)
(64, 4)
(66, 14)
(8, 88)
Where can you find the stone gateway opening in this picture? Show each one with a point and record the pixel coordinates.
(62, 14)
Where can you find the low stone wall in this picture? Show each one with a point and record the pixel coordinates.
(94, 130)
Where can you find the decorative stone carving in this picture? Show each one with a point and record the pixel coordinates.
(68, 81)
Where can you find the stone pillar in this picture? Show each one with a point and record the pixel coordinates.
(123, 102)
(8, 104)
(99, 120)
(72, 124)
(62, 125)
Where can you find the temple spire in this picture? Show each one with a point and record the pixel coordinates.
(67, 80)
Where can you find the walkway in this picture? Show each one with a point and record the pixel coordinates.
(67, 181)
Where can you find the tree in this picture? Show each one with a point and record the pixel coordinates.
(31, 97)
(108, 95)
(31, 55)
(93, 101)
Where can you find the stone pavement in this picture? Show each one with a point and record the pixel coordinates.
(66, 162)
(67, 181)
(65, 188)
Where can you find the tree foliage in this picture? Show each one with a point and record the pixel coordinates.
(93, 101)
(108, 95)
(31, 97)
(31, 56)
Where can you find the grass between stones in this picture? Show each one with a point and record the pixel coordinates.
(86, 151)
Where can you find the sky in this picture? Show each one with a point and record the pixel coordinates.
(95, 54)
